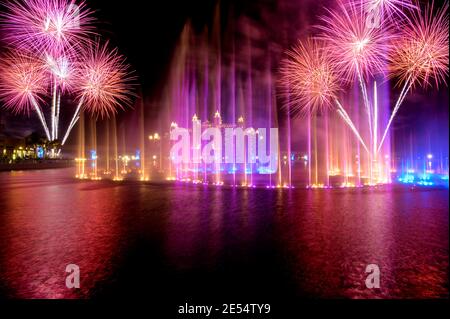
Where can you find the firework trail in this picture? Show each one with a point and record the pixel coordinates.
(22, 81)
(62, 71)
(421, 54)
(343, 113)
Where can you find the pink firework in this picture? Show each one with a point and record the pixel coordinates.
(421, 53)
(105, 83)
(22, 81)
(309, 78)
(62, 69)
(357, 48)
(46, 26)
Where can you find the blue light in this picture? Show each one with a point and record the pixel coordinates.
(424, 183)
(424, 179)
(407, 179)
(232, 170)
(265, 170)
(40, 152)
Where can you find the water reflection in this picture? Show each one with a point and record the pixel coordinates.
(132, 239)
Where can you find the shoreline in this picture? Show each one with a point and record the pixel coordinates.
(36, 165)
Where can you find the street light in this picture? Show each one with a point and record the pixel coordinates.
(154, 137)
(157, 138)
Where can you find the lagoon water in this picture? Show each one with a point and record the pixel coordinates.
(174, 241)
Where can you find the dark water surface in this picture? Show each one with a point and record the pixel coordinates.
(196, 243)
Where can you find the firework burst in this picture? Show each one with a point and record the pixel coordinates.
(309, 77)
(62, 70)
(421, 53)
(105, 81)
(46, 26)
(22, 81)
(358, 50)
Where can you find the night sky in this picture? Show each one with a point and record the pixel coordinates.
(147, 33)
